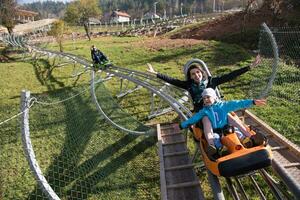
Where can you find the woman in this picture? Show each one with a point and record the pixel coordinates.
(195, 84)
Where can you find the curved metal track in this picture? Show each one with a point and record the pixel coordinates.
(123, 73)
(29, 152)
(288, 169)
(286, 155)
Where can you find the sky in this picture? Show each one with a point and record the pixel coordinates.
(31, 1)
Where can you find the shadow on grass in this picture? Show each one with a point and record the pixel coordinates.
(129, 185)
(76, 140)
(8, 54)
(86, 185)
(113, 110)
(81, 122)
(77, 137)
(43, 71)
(66, 171)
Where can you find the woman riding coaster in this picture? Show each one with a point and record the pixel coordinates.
(195, 84)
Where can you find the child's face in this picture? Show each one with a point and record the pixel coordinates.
(208, 100)
(196, 75)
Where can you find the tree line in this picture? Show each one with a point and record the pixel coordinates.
(47, 9)
(78, 12)
(137, 8)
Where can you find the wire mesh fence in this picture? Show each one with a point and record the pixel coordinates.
(276, 78)
(279, 80)
(14, 169)
(79, 154)
(83, 157)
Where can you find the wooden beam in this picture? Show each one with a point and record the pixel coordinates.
(182, 185)
(176, 153)
(176, 142)
(163, 183)
(179, 167)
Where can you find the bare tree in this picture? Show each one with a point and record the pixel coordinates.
(57, 31)
(81, 11)
(7, 14)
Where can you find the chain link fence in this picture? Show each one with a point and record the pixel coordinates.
(79, 154)
(278, 80)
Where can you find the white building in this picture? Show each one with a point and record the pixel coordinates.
(24, 16)
(151, 15)
(119, 17)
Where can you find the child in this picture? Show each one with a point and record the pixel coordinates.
(195, 84)
(217, 111)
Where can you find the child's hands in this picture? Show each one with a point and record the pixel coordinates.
(150, 69)
(260, 102)
(256, 61)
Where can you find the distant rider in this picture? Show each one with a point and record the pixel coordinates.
(99, 59)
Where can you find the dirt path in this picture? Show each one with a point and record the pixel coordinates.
(28, 27)
(166, 43)
(273, 13)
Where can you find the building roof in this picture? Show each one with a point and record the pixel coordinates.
(123, 14)
(26, 12)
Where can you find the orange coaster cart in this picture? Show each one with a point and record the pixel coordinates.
(239, 159)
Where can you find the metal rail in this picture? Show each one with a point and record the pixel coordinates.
(150, 132)
(28, 149)
(286, 155)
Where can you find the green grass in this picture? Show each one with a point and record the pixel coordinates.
(94, 160)
(282, 109)
(95, 29)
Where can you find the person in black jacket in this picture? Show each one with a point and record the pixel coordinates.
(195, 84)
(98, 57)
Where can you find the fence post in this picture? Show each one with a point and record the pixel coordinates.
(28, 149)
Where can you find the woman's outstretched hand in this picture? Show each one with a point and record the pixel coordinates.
(150, 69)
(260, 102)
(256, 61)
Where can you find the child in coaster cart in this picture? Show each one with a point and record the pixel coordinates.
(197, 80)
(99, 59)
(217, 111)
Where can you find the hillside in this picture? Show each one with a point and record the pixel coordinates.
(243, 27)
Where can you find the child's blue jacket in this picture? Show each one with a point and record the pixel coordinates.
(217, 113)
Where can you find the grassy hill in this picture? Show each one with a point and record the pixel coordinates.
(243, 27)
(78, 151)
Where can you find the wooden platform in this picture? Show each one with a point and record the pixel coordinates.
(178, 178)
(286, 155)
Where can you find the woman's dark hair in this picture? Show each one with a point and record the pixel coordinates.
(194, 66)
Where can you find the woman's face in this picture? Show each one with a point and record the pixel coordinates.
(208, 100)
(196, 75)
